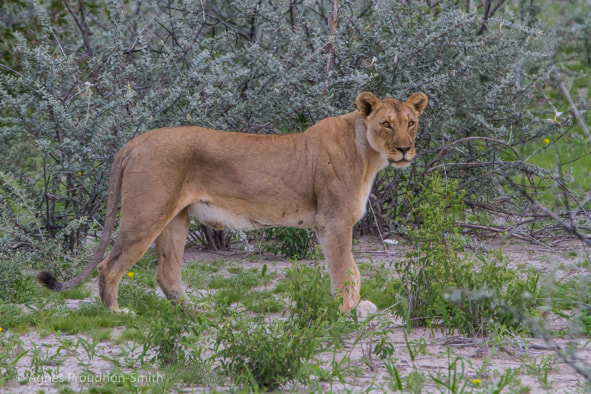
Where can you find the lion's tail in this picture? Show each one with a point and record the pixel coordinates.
(47, 279)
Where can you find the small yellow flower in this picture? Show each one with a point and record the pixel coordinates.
(79, 172)
(476, 382)
(0, 329)
(546, 141)
(131, 274)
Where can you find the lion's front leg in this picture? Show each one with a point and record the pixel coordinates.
(336, 242)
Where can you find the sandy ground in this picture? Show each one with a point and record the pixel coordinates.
(433, 351)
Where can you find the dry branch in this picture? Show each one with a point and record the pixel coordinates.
(333, 33)
(571, 103)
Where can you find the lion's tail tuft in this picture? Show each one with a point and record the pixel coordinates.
(48, 280)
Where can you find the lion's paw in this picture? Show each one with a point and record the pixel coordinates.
(366, 308)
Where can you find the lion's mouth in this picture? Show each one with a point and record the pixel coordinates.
(399, 163)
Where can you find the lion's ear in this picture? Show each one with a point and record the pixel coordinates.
(366, 103)
(418, 101)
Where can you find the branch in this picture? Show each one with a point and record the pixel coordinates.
(569, 227)
(82, 26)
(499, 230)
(333, 32)
(571, 102)
(487, 14)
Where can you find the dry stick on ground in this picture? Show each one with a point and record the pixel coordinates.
(571, 227)
(500, 230)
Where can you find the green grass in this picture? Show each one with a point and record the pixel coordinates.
(568, 155)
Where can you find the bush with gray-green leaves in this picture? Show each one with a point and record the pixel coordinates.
(77, 83)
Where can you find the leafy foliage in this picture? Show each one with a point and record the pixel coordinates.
(438, 283)
(85, 79)
(264, 355)
(290, 242)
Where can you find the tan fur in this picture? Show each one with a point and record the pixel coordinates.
(319, 179)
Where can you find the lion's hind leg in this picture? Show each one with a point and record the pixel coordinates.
(136, 234)
(170, 246)
(123, 256)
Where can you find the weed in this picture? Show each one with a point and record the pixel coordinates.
(168, 334)
(89, 317)
(384, 348)
(89, 349)
(77, 293)
(508, 378)
(42, 356)
(541, 366)
(380, 288)
(415, 382)
(394, 383)
(198, 369)
(11, 351)
(308, 289)
(292, 243)
(264, 355)
(454, 378)
(437, 283)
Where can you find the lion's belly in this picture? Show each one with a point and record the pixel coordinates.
(248, 218)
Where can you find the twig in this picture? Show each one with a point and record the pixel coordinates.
(571, 228)
(487, 13)
(573, 106)
(499, 230)
(82, 26)
(333, 32)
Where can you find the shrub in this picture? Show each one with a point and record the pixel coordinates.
(290, 242)
(264, 354)
(172, 335)
(438, 283)
(79, 87)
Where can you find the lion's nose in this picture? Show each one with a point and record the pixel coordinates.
(403, 149)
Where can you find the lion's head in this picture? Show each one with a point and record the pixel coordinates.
(392, 125)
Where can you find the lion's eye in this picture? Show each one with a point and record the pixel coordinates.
(411, 123)
(386, 125)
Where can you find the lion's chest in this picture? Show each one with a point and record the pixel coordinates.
(361, 202)
(365, 189)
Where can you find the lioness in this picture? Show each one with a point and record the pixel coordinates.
(318, 179)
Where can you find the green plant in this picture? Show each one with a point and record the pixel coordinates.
(395, 383)
(265, 354)
(541, 366)
(11, 351)
(454, 381)
(290, 242)
(308, 289)
(434, 235)
(438, 283)
(415, 382)
(171, 332)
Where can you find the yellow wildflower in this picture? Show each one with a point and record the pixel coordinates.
(476, 382)
(546, 141)
(131, 274)
(0, 329)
